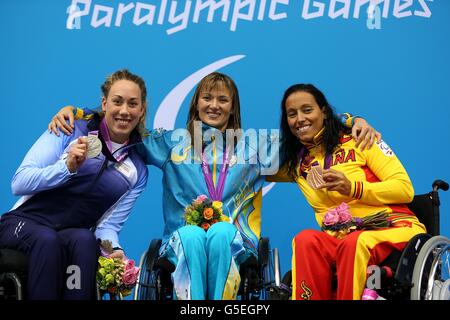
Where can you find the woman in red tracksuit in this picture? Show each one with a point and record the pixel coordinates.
(343, 180)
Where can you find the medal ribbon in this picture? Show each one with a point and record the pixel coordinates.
(105, 134)
(301, 155)
(215, 192)
(93, 133)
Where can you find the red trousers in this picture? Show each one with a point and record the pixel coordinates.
(317, 257)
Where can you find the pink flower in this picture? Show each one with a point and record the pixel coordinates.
(344, 214)
(131, 273)
(201, 198)
(331, 218)
(340, 214)
(129, 264)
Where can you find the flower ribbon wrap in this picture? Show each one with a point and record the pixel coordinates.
(339, 222)
(204, 213)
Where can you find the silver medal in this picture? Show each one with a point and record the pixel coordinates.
(94, 146)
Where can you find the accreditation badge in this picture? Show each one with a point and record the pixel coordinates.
(124, 169)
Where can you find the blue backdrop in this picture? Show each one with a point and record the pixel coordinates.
(390, 66)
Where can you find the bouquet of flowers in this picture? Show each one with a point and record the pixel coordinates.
(339, 222)
(204, 213)
(114, 275)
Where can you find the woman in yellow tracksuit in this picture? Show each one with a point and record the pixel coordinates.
(363, 182)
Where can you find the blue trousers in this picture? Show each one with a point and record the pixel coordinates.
(207, 263)
(62, 264)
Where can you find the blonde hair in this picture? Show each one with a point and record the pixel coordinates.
(124, 74)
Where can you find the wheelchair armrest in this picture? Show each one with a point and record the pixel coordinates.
(154, 260)
(251, 262)
(165, 264)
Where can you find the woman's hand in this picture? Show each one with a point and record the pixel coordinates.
(117, 254)
(336, 181)
(77, 154)
(59, 121)
(364, 134)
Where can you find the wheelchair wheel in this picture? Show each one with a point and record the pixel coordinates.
(147, 284)
(11, 287)
(430, 267)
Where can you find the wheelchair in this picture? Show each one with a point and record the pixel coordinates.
(260, 278)
(13, 277)
(13, 274)
(422, 270)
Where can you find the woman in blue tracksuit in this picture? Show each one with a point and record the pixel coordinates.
(72, 184)
(207, 263)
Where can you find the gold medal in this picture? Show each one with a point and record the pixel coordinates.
(94, 146)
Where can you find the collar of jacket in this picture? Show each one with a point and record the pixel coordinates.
(133, 140)
(317, 140)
